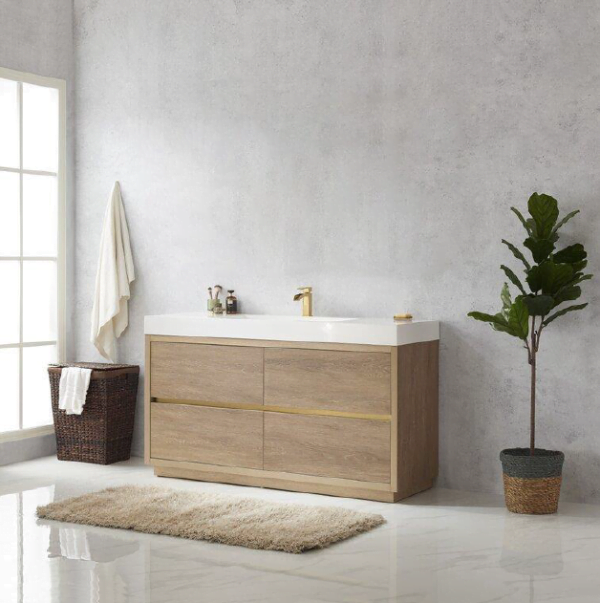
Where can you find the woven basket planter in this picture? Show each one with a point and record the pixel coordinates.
(532, 482)
(102, 432)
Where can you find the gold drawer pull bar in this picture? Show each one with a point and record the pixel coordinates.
(280, 409)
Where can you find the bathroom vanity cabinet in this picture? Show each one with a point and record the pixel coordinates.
(357, 420)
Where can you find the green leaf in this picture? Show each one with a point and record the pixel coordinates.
(562, 313)
(483, 317)
(563, 274)
(505, 297)
(539, 305)
(562, 222)
(497, 321)
(540, 248)
(549, 277)
(501, 324)
(529, 225)
(570, 255)
(517, 253)
(569, 293)
(580, 278)
(512, 277)
(518, 318)
(534, 279)
(544, 211)
(580, 266)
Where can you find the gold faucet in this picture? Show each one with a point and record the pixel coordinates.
(306, 297)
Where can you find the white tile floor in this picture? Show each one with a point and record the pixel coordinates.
(441, 546)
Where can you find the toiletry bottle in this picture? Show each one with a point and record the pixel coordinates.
(231, 303)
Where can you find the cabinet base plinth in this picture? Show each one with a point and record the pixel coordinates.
(239, 479)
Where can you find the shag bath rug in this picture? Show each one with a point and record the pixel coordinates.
(253, 523)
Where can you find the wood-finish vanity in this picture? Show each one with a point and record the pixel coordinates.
(341, 419)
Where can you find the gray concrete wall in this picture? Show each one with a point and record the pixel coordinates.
(370, 149)
(36, 37)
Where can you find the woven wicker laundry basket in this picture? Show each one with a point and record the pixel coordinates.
(102, 432)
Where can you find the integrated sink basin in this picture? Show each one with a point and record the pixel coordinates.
(369, 331)
(317, 318)
(268, 317)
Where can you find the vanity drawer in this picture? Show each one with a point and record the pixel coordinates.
(356, 449)
(217, 436)
(358, 382)
(207, 373)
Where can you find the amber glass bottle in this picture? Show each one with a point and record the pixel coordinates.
(231, 305)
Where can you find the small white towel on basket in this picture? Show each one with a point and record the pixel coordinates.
(115, 272)
(74, 383)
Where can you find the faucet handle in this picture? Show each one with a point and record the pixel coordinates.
(305, 289)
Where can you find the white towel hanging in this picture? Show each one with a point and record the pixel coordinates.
(115, 272)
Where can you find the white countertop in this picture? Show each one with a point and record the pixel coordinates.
(318, 329)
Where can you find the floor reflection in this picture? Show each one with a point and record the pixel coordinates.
(439, 547)
(78, 543)
(58, 563)
(532, 546)
(23, 570)
(45, 562)
(106, 582)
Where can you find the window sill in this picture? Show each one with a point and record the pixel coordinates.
(24, 434)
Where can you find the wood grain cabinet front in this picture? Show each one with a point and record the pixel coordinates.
(207, 373)
(346, 420)
(355, 449)
(216, 436)
(355, 382)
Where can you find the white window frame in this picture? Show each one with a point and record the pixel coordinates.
(60, 259)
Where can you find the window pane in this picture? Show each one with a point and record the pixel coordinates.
(40, 215)
(40, 128)
(9, 302)
(37, 409)
(9, 123)
(9, 389)
(39, 301)
(9, 211)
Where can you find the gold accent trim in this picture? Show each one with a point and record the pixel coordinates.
(271, 408)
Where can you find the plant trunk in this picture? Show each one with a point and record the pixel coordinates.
(532, 362)
(532, 418)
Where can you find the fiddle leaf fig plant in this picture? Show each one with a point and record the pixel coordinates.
(552, 279)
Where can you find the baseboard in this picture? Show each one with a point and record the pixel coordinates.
(27, 449)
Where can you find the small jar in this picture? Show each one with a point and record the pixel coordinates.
(231, 305)
(214, 306)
